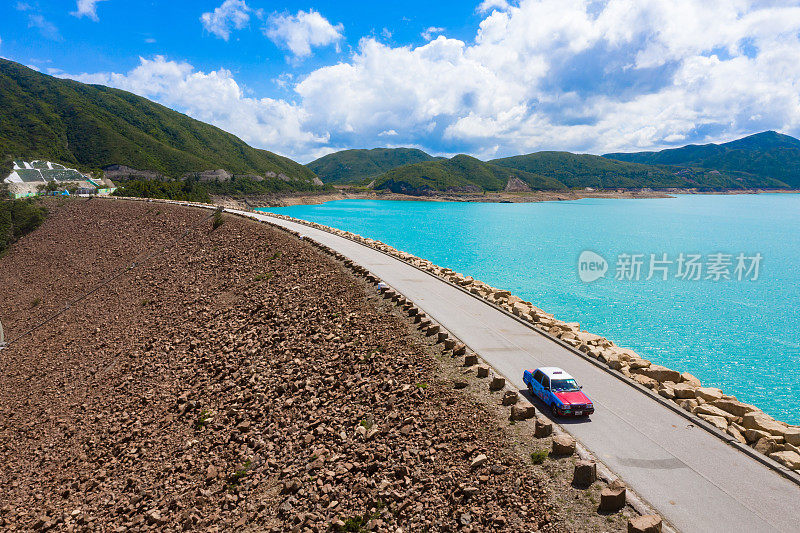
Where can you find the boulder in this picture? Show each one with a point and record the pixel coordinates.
(459, 349)
(639, 363)
(792, 436)
(767, 445)
(449, 343)
(478, 461)
(585, 473)
(789, 459)
(763, 422)
(688, 405)
(509, 398)
(666, 391)
(613, 498)
(755, 435)
(660, 373)
(563, 445)
(717, 421)
(734, 407)
(684, 391)
(708, 394)
(691, 380)
(734, 432)
(522, 411)
(497, 383)
(544, 428)
(649, 523)
(708, 409)
(483, 371)
(470, 360)
(644, 380)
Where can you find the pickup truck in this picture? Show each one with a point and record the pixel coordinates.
(559, 391)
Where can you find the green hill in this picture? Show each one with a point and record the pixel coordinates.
(583, 170)
(461, 173)
(769, 155)
(351, 166)
(91, 126)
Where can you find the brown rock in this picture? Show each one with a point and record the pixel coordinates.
(459, 349)
(522, 411)
(612, 499)
(767, 445)
(684, 391)
(734, 407)
(585, 473)
(659, 373)
(708, 394)
(563, 445)
(644, 380)
(649, 523)
(478, 461)
(792, 436)
(470, 360)
(497, 383)
(483, 371)
(789, 459)
(544, 428)
(691, 380)
(762, 421)
(509, 398)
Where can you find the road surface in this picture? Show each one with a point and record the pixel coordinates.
(694, 479)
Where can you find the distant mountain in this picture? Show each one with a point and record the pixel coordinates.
(351, 166)
(769, 155)
(461, 173)
(92, 126)
(583, 170)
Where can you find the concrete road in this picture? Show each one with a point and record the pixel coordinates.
(694, 479)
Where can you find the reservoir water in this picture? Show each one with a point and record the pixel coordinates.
(737, 327)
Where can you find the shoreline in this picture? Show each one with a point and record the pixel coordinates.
(347, 193)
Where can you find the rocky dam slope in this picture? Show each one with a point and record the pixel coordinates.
(233, 377)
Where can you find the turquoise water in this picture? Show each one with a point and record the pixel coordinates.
(741, 336)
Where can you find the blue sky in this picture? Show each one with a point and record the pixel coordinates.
(489, 78)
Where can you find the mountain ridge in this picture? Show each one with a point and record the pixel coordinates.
(361, 164)
(93, 126)
(768, 154)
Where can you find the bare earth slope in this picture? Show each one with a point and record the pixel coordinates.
(220, 385)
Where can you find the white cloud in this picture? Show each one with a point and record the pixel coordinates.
(544, 74)
(87, 8)
(300, 32)
(215, 97)
(430, 32)
(232, 14)
(489, 5)
(47, 29)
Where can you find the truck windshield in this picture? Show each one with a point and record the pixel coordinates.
(564, 385)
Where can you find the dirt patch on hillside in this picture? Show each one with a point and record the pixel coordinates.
(237, 380)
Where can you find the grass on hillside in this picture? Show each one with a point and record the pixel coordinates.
(18, 218)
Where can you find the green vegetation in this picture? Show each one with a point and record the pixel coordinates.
(217, 220)
(18, 218)
(186, 191)
(461, 173)
(539, 456)
(583, 170)
(353, 166)
(203, 419)
(91, 126)
(767, 159)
